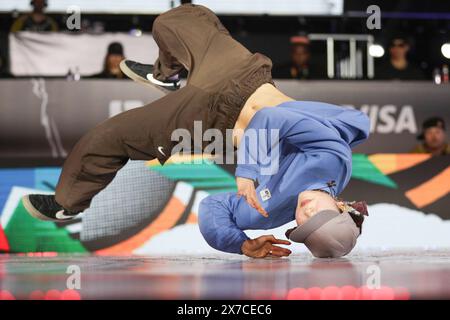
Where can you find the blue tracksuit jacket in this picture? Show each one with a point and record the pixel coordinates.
(313, 148)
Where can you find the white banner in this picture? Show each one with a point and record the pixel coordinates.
(53, 54)
(278, 7)
(271, 7)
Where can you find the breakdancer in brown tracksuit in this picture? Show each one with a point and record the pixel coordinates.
(226, 85)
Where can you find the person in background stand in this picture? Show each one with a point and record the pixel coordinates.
(37, 20)
(300, 65)
(433, 136)
(398, 67)
(111, 65)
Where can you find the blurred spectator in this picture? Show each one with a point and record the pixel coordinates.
(111, 68)
(37, 20)
(397, 67)
(433, 136)
(300, 65)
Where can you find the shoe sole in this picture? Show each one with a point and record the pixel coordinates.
(32, 211)
(133, 76)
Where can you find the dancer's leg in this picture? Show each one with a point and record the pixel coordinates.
(136, 134)
(183, 35)
(186, 36)
(222, 75)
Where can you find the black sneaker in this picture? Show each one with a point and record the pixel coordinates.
(45, 207)
(143, 73)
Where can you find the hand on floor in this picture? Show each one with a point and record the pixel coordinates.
(263, 246)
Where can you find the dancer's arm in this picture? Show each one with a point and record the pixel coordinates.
(222, 219)
(218, 225)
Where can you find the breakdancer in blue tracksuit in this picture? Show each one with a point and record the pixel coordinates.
(315, 165)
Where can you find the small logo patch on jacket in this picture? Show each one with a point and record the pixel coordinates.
(265, 194)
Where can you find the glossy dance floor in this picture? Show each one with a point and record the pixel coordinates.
(398, 275)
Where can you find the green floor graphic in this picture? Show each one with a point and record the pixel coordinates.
(26, 234)
(207, 175)
(364, 169)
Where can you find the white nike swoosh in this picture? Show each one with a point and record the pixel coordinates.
(61, 216)
(159, 83)
(160, 149)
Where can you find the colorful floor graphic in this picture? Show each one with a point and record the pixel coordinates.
(147, 200)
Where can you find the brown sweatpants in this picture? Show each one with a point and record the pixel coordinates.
(222, 75)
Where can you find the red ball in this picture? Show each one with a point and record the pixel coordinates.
(6, 295)
(53, 295)
(330, 293)
(384, 293)
(348, 293)
(364, 293)
(70, 295)
(402, 294)
(315, 293)
(298, 294)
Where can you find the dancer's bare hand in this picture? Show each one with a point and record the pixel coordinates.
(246, 189)
(264, 246)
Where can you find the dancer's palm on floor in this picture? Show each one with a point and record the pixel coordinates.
(264, 246)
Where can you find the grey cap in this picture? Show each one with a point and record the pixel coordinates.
(327, 234)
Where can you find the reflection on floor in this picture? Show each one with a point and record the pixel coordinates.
(398, 275)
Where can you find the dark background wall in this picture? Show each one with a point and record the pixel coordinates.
(425, 23)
